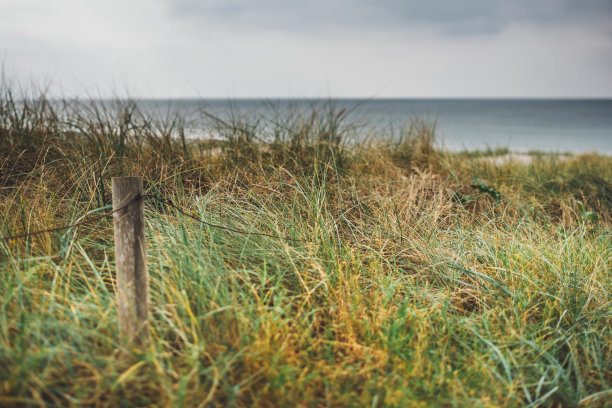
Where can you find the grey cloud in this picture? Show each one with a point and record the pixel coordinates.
(444, 16)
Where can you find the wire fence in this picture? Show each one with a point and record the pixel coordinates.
(161, 200)
(89, 220)
(237, 231)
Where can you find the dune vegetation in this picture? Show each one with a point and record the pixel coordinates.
(397, 275)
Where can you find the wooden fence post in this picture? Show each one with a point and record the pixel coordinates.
(132, 276)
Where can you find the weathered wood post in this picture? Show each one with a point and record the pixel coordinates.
(132, 276)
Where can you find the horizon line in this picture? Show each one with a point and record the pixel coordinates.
(337, 98)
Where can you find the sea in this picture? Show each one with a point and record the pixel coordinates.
(519, 125)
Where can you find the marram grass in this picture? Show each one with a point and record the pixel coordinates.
(401, 285)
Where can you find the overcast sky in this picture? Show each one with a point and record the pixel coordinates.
(316, 48)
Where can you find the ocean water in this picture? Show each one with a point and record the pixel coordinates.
(576, 125)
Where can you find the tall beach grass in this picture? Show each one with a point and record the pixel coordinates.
(412, 276)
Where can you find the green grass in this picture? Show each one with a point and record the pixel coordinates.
(402, 285)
